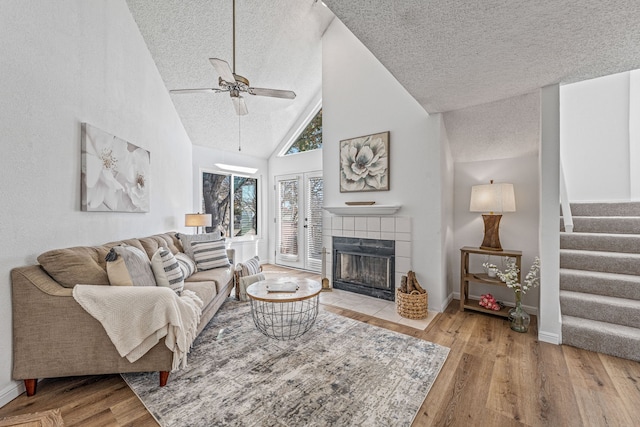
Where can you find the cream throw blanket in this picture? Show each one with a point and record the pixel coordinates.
(137, 317)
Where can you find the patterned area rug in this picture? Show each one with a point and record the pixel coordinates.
(340, 373)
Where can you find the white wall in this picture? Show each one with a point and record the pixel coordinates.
(64, 63)
(500, 141)
(595, 139)
(361, 97)
(634, 135)
(549, 324)
(206, 158)
(518, 230)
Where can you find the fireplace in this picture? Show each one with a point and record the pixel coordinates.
(364, 266)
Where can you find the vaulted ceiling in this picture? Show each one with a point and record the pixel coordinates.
(278, 46)
(449, 54)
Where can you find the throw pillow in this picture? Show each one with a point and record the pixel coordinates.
(167, 270)
(250, 267)
(129, 266)
(245, 281)
(209, 255)
(187, 265)
(186, 240)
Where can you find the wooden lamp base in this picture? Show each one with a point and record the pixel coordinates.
(491, 240)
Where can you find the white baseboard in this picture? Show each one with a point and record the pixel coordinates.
(549, 337)
(445, 303)
(10, 392)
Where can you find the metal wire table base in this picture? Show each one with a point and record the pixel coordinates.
(284, 320)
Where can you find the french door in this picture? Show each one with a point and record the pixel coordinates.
(299, 220)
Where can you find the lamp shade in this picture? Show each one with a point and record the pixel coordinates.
(197, 220)
(491, 198)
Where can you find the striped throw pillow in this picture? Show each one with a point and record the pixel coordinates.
(167, 270)
(209, 255)
(187, 265)
(250, 267)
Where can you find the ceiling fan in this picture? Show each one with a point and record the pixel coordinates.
(234, 83)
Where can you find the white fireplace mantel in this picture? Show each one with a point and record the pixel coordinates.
(362, 210)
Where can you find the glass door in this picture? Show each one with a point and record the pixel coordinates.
(299, 220)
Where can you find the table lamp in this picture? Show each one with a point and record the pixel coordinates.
(492, 198)
(197, 220)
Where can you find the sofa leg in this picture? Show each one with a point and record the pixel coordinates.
(164, 377)
(30, 385)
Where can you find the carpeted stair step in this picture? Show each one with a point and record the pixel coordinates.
(608, 262)
(606, 209)
(619, 311)
(607, 242)
(602, 337)
(604, 224)
(598, 283)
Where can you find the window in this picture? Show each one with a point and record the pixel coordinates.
(310, 138)
(237, 214)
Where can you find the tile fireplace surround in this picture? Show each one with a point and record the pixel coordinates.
(395, 228)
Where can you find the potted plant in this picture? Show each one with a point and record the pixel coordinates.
(491, 269)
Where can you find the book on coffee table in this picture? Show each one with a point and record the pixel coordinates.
(282, 287)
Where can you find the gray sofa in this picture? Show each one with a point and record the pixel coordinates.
(53, 336)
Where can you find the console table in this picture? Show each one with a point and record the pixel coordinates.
(467, 277)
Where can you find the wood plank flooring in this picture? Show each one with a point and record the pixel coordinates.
(492, 377)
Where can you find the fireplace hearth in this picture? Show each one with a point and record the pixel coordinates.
(364, 266)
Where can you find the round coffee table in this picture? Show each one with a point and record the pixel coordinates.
(281, 311)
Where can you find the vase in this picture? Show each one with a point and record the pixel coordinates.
(518, 317)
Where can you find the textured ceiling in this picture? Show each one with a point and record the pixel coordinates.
(452, 54)
(278, 46)
(449, 54)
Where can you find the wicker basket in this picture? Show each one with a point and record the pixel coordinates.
(413, 305)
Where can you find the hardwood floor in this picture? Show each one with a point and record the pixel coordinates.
(492, 377)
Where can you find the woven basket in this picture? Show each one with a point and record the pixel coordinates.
(413, 305)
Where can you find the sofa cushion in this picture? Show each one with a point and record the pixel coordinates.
(167, 271)
(152, 243)
(206, 291)
(221, 276)
(129, 266)
(186, 264)
(81, 264)
(209, 255)
(187, 239)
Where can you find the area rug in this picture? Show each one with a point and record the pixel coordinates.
(340, 373)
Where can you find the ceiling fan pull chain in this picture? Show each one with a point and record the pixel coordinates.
(239, 140)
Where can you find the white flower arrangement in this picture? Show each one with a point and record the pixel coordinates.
(510, 276)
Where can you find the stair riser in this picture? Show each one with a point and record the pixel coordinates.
(590, 262)
(604, 225)
(606, 209)
(601, 342)
(600, 286)
(600, 242)
(618, 315)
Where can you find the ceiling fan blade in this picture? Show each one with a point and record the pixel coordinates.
(223, 69)
(214, 90)
(274, 93)
(239, 105)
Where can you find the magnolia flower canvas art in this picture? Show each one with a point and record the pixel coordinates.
(364, 163)
(115, 173)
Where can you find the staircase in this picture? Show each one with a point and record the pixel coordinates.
(600, 279)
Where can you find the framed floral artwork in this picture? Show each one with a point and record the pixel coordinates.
(115, 173)
(364, 163)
